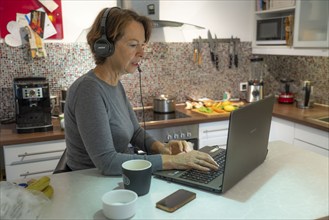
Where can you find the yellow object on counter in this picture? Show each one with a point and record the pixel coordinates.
(48, 191)
(40, 184)
(229, 108)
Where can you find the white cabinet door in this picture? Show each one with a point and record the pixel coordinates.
(282, 130)
(213, 133)
(311, 147)
(312, 139)
(30, 170)
(312, 24)
(311, 30)
(32, 159)
(27, 153)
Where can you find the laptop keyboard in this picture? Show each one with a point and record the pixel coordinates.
(206, 177)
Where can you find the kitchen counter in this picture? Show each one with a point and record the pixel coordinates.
(292, 183)
(9, 136)
(289, 112)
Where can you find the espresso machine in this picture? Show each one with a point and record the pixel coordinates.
(255, 89)
(32, 104)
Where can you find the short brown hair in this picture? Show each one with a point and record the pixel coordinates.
(117, 20)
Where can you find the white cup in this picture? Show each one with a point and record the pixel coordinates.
(119, 204)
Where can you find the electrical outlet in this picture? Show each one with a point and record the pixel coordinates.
(243, 86)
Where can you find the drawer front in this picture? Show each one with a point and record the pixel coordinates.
(33, 152)
(30, 170)
(282, 130)
(213, 129)
(213, 133)
(312, 136)
(311, 147)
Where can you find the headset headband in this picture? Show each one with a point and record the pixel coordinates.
(103, 21)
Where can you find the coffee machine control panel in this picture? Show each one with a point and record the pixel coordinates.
(29, 93)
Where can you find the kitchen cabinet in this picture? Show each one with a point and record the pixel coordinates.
(312, 24)
(32, 159)
(311, 139)
(213, 133)
(282, 130)
(300, 135)
(310, 34)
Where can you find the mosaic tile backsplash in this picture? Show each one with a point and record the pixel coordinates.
(167, 68)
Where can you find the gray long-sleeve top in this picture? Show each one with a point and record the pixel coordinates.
(99, 126)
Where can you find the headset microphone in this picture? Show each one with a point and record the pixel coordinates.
(143, 109)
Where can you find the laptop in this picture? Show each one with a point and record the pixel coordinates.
(246, 149)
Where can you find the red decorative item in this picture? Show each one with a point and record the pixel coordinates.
(286, 96)
(9, 8)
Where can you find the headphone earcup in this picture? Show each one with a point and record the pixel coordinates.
(103, 47)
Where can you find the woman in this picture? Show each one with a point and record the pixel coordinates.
(100, 123)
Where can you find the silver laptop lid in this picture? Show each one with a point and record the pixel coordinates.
(249, 129)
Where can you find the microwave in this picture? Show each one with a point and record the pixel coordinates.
(271, 31)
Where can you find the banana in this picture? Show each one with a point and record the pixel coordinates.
(40, 184)
(226, 103)
(48, 191)
(229, 108)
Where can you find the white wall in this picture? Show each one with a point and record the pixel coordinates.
(221, 17)
(80, 14)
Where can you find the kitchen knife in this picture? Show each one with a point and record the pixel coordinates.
(231, 53)
(195, 51)
(199, 51)
(236, 58)
(212, 47)
(216, 54)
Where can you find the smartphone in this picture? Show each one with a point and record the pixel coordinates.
(175, 200)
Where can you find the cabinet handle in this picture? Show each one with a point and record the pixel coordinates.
(222, 145)
(34, 173)
(38, 153)
(209, 131)
(36, 160)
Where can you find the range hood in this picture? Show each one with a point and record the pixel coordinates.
(151, 9)
(163, 30)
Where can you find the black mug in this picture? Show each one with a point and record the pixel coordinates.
(137, 175)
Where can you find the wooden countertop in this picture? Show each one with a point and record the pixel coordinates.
(8, 134)
(289, 112)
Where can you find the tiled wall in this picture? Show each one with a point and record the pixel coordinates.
(167, 68)
(300, 68)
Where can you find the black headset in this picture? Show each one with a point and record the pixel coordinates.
(103, 47)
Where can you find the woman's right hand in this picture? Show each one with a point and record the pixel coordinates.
(193, 159)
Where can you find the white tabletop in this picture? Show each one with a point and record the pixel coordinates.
(291, 184)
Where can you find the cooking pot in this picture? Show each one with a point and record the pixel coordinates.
(164, 103)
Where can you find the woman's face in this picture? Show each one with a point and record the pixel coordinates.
(129, 50)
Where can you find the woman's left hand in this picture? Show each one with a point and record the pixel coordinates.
(173, 147)
(178, 146)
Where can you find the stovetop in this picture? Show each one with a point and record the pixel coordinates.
(150, 115)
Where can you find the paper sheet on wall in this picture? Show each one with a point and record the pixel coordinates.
(51, 5)
(49, 29)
